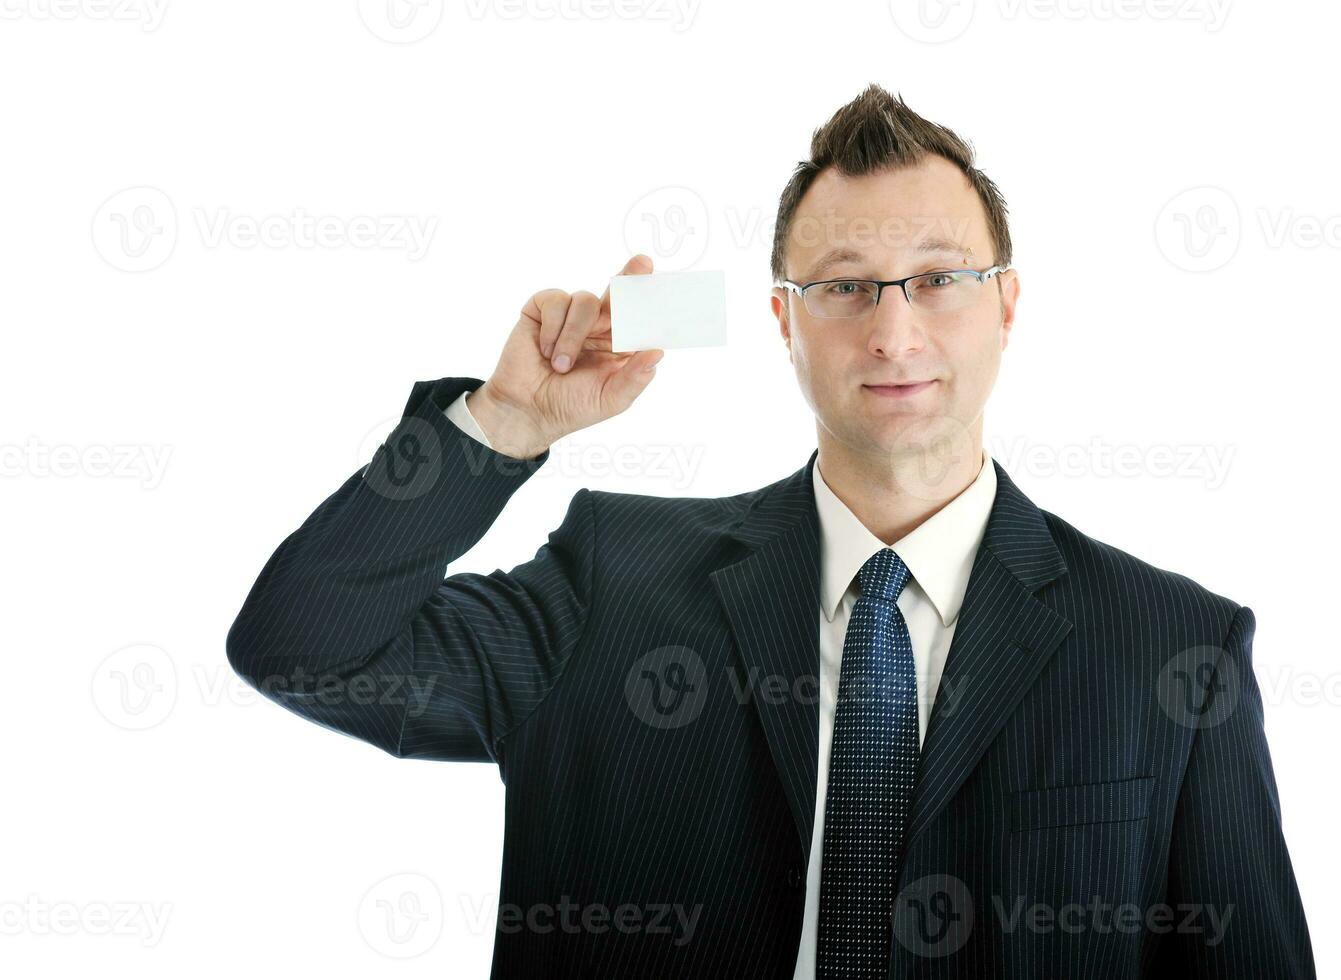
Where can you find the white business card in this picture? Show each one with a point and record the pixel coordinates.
(668, 309)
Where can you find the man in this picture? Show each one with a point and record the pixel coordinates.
(882, 717)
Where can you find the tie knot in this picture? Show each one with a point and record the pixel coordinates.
(884, 575)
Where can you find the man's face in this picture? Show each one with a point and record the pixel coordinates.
(877, 227)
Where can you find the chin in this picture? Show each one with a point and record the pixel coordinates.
(922, 433)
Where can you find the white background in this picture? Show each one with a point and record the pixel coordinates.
(173, 404)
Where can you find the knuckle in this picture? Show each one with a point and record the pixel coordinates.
(555, 309)
(542, 303)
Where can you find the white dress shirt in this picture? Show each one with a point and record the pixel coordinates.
(939, 554)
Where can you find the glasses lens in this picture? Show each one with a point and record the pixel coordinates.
(843, 297)
(943, 292)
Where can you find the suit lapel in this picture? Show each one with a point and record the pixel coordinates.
(1003, 638)
(771, 599)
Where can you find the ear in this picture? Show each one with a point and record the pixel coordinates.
(780, 310)
(1010, 294)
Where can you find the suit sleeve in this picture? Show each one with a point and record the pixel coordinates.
(1228, 857)
(352, 625)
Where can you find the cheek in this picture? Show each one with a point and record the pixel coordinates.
(973, 348)
(820, 367)
(808, 351)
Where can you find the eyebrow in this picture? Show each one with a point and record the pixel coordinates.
(942, 245)
(840, 255)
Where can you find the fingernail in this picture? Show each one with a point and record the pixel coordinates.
(561, 362)
(547, 350)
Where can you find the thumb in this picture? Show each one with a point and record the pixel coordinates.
(637, 266)
(635, 374)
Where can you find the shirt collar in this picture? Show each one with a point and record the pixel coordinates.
(939, 552)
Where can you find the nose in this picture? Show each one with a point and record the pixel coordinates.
(895, 327)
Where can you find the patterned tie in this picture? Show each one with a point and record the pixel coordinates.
(872, 772)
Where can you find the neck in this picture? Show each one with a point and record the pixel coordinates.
(892, 493)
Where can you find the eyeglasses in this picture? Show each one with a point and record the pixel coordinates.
(930, 292)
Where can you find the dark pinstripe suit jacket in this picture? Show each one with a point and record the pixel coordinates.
(1096, 796)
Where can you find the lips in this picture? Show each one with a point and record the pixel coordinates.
(899, 389)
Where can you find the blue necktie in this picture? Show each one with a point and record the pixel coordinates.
(872, 773)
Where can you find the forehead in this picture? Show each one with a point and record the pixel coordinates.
(889, 218)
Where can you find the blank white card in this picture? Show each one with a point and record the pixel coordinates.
(668, 309)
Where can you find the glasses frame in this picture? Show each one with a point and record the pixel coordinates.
(799, 289)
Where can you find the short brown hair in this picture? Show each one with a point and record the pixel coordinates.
(877, 131)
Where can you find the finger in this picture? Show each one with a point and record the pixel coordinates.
(581, 317)
(599, 337)
(634, 375)
(550, 307)
(639, 265)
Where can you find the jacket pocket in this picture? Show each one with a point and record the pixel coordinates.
(1082, 803)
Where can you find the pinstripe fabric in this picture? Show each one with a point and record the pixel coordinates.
(642, 685)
